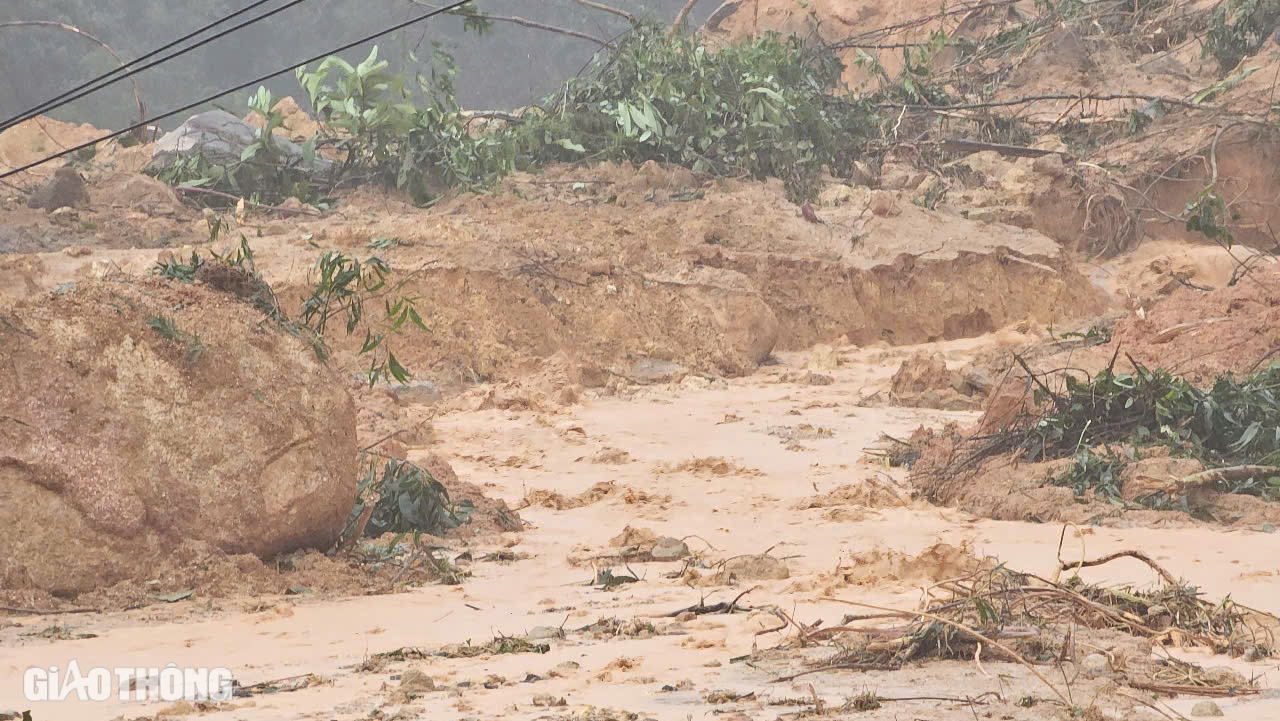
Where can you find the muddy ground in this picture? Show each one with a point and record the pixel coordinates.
(664, 392)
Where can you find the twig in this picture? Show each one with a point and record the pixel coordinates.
(1168, 577)
(1052, 96)
(681, 17)
(1017, 151)
(514, 20)
(229, 196)
(609, 9)
(51, 612)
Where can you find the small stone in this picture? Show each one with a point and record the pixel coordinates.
(1268, 528)
(686, 617)
(817, 379)
(669, 549)
(547, 700)
(415, 681)
(1206, 708)
(76, 251)
(567, 669)
(540, 633)
(1095, 664)
(66, 215)
(822, 358)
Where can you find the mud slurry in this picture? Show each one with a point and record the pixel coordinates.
(755, 527)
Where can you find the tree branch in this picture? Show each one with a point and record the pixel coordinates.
(142, 110)
(609, 9)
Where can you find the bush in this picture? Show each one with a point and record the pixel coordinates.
(1239, 28)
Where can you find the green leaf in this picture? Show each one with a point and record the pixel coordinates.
(570, 145)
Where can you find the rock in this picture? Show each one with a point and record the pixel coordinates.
(542, 633)
(64, 190)
(75, 251)
(921, 372)
(863, 174)
(124, 444)
(669, 549)
(139, 193)
(565, 669)
(1206, 708)
(414, 681)
(547, 700)
(1095, 664)
(416, 392)
(817, 379)
(835, 195)
(653, 370)
(884, 204)
(65, 216)
(822, 358)
(221, 137)
(899, 177)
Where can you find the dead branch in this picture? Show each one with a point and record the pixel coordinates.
(1016, 151)
(50, 612)
(142, 110)
(514, 20)
(681, 17)
(1052, 96)
(1168, 577)
(609, 9)
(274, 208)
(966, 630)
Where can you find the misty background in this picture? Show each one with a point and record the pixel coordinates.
(510, 66)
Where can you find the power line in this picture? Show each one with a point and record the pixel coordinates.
(242, 86)
(62, 99)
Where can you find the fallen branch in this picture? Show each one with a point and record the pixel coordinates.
(1017, 151)
(609, 9)
(51, 612)
(229, 196)
(1172, 332)
(966, 630)
(1050, 96)
(1168, 577)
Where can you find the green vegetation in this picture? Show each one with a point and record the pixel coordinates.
(406, 499)
(168, 328)
(343, 286)
(1239, 28)
(1235, 423)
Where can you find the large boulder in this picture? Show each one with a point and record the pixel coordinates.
(221, 138)
(119, 440)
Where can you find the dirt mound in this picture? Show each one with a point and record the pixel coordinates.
(1202, 334)
(871, 493)
(1005, 489)
(140, 413)
(924, 381)
(885, 567)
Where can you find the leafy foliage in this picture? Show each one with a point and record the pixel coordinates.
(1235, 422)
(168, 328)
(406, 499)
(344, 285)
(1239, 28)
(1208, 215)
(764, 107)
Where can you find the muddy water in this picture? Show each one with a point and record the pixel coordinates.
(725, 466)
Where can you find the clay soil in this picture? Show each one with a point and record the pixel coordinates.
(662, 392)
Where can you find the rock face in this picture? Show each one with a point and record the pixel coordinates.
(220, 137)
(118, 441)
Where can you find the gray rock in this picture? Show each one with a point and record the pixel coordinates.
(1206, 708)
(542, 633)
(669, 549)
(415, 392)
(221, 137)
(653, 370)
(1095, 664)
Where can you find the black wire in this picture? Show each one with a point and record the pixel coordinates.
(242, 86)
(62, 99)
